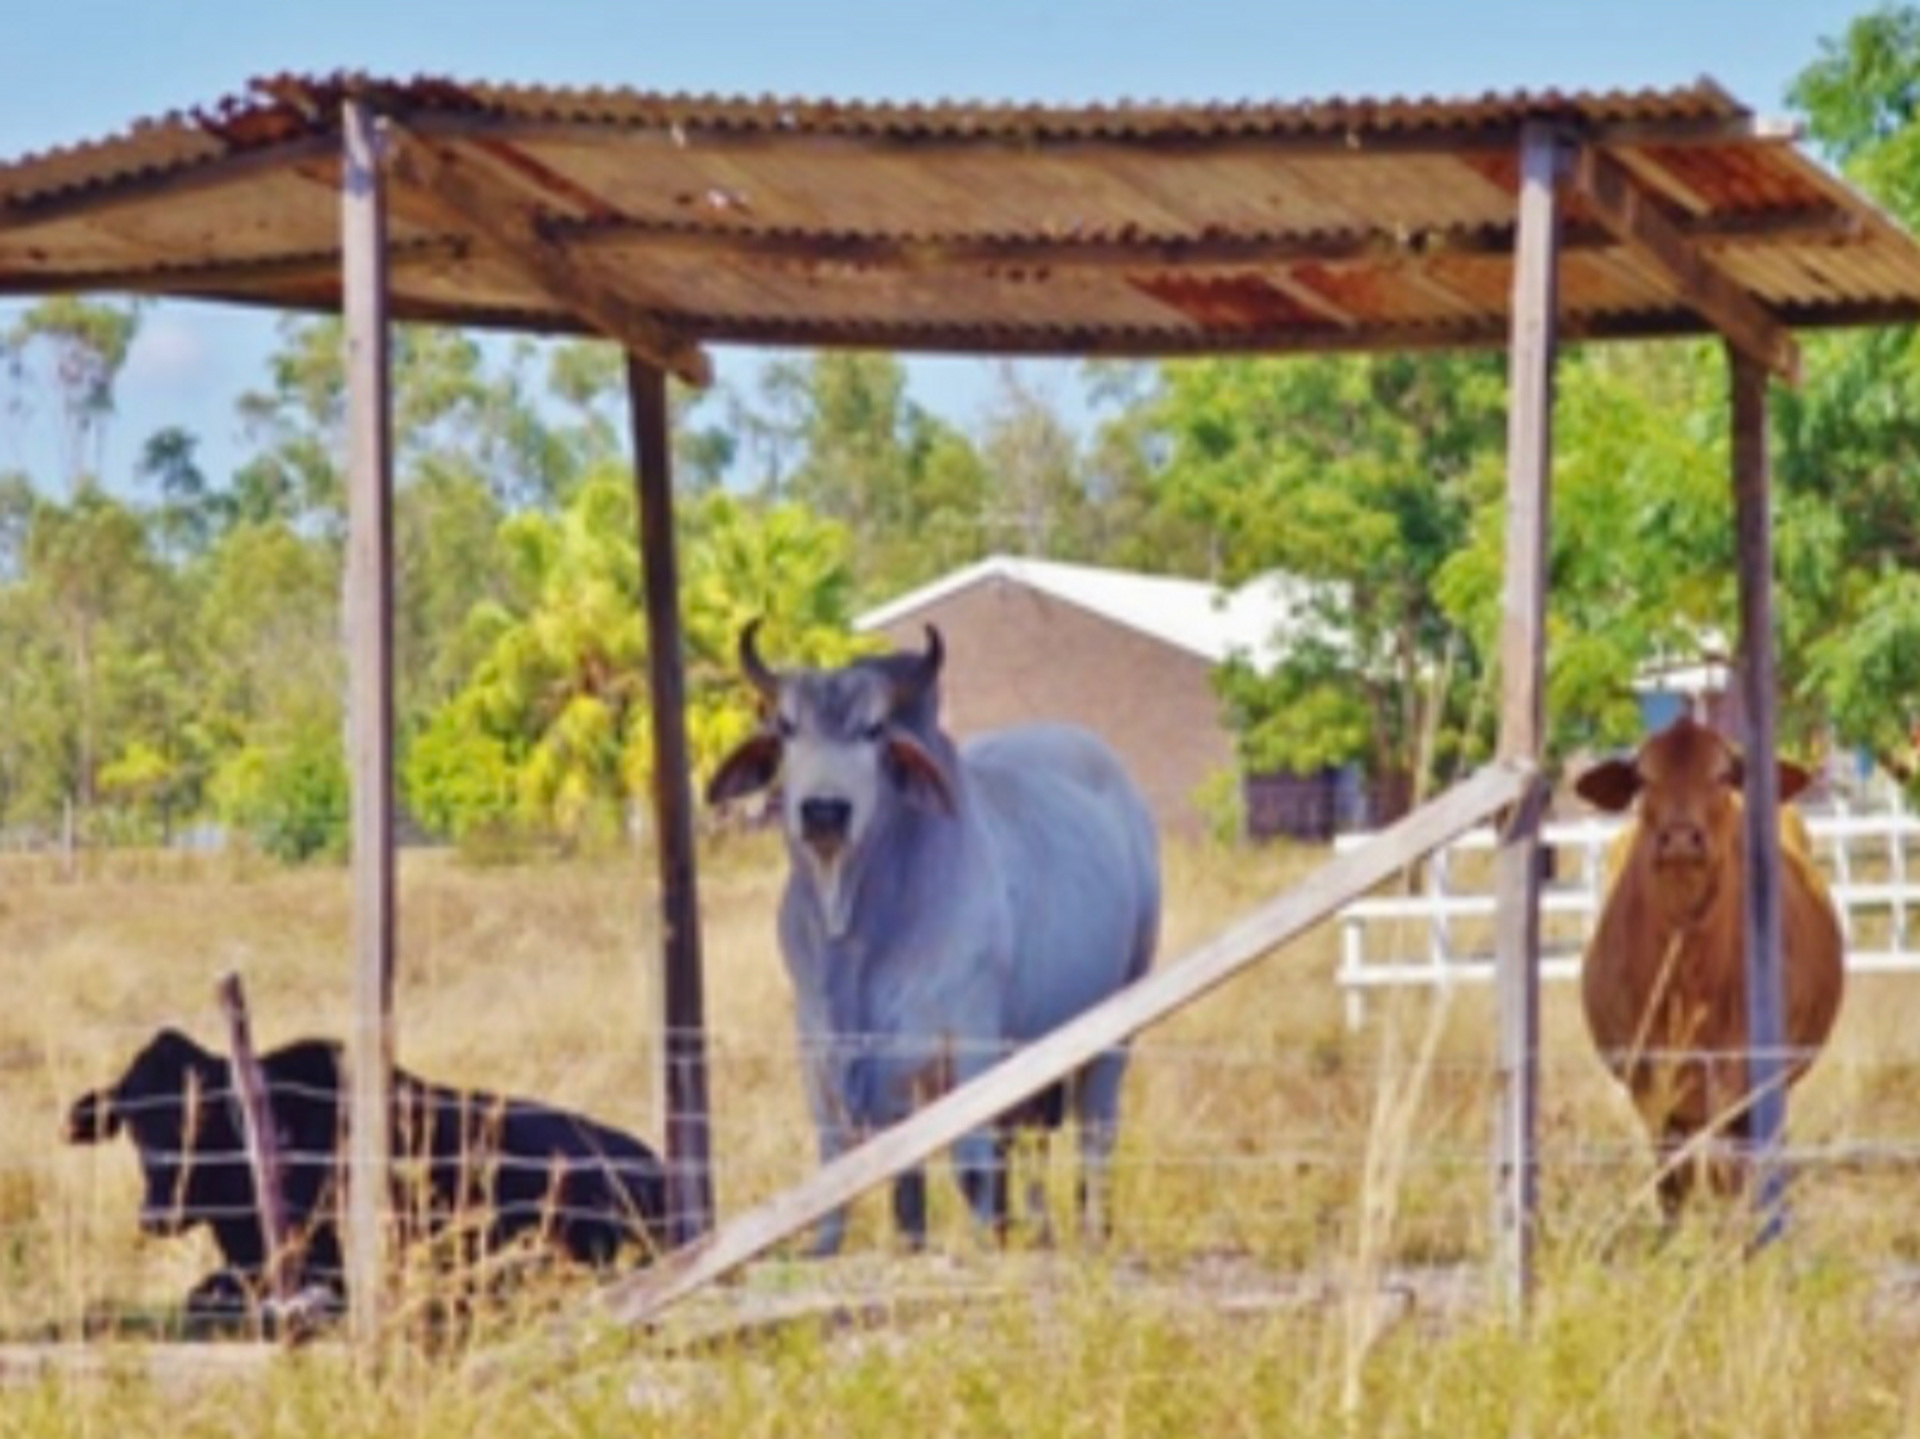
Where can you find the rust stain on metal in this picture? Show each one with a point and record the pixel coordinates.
(1228, 302)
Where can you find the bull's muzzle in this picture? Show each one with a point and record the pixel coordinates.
(824, 825)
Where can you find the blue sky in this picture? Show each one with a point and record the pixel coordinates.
(74, 70)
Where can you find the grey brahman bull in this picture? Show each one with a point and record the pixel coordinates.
(943, 906)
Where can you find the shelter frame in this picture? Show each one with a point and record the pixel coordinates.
(662, 223)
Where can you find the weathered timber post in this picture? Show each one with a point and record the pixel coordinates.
(1766, 992)
(683, 1050)
(369, 629)
(1531, 355)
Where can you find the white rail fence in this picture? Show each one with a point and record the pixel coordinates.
(1441, 933)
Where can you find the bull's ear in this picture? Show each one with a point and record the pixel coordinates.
(918, 772)
(1609, 785)
(92, 1118)
(749, 769)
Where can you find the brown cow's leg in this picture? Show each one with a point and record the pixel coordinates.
(1678, 1169)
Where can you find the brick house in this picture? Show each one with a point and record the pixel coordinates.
(1127, 655)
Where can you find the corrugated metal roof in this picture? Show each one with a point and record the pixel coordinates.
(1137, 229)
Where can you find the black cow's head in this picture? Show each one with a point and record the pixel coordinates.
(173, 1102)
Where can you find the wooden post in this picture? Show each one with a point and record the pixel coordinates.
(1164, 991)
(262, 1140)
(369, 630)
(1523, 709)
(1766, 994)
(683, 1049)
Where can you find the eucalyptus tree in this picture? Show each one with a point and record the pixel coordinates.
(1357, 477)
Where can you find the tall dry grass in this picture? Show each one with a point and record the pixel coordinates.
(1301, 1212)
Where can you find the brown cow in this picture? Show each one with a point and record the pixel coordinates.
(1664, 983)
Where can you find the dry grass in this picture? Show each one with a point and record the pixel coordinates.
(1277, 1176)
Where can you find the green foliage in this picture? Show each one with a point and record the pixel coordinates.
(1848, 442)
(1303, 714)
(86, 342)
(1641, 544)
(552, 732)
(1221, 799)
(1869, 671)
(288, 795)
(910, 492)
(1360, 477)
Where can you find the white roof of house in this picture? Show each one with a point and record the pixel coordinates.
(1198, 616)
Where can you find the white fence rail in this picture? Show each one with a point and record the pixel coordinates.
(1442, 933)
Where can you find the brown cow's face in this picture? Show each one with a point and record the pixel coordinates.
(1686, 779)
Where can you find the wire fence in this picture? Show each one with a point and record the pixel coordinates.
(1258, 1134)
(1279, 1154)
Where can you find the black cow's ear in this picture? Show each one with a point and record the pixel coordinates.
(92, 1118)
(918, 772)
(749, 769)
(1609, 785)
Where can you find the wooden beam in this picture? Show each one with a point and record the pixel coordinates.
(690, 1208)
(1161, 993)
(1523, 640)
(1766, 989)
(1149, 252)
(1655, 176)
(369, 630)
(1620, 203)
(473, 202)
(229, 281)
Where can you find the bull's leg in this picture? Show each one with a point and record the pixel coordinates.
(832, 1137)
(1097, 1112)
(910, 1207)
(1039, 1149)
(980, 1164)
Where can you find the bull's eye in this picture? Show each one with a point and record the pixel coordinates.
(874, 732)
(783, 726)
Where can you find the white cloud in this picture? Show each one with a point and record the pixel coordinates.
(169, 353)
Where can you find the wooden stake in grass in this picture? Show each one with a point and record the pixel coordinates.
(263, 1145)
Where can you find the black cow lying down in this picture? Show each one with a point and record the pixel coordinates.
(507, 1166)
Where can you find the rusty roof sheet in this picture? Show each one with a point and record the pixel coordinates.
(1144, 229)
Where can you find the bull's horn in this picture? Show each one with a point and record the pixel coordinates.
(755, 668)
(925, 670)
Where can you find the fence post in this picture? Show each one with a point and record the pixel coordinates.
(262, 1140)
(369, 627)
(1766, 983)
(1532, 350)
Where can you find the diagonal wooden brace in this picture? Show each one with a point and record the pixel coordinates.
(1625, 207)
(476, 202)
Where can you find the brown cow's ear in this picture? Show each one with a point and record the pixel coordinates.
(749, 769)
(1610, 785)
(1792, 778)
(919, 772)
